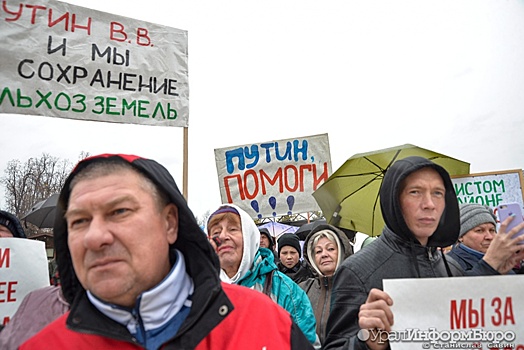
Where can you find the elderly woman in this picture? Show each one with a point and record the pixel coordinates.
(325, 248)
(478, 232)
(236, 240)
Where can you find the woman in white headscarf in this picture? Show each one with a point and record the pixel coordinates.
(236, 240)
(325, 248)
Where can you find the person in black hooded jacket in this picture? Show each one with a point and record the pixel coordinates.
(421, 214)
(289, 254)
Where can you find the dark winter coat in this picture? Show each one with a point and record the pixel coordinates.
(471, 262)
(298, 273)
(395, 254)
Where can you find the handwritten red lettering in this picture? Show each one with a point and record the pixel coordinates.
(5, 257)
(9, 289)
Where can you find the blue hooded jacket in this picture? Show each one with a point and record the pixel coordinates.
(258, 263)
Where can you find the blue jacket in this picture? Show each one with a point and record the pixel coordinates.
(470, 260)
(284, 291)
(256, 264)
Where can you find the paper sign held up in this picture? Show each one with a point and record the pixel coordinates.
(23, 268)
(476, 312)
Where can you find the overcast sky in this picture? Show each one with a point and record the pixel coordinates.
(445, 75)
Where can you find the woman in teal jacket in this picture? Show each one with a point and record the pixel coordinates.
(236, 239)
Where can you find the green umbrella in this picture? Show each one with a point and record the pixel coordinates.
(350, 196)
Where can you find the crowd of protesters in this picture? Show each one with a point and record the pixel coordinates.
(136, 270)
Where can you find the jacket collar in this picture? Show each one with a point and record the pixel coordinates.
(403, 246)
(157, 306)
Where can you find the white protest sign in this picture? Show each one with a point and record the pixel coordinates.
(274, 178)
(459, 312)
(67, 61)
(490, 189)
(23, 268)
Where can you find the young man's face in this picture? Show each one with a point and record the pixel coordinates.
(422, 200)
(119, 237)
(289, 256)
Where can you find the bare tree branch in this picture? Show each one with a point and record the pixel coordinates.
(35, 180)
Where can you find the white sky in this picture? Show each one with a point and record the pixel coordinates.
(445, 75)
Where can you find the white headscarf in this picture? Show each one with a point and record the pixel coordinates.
(311, 249)
(251, 243)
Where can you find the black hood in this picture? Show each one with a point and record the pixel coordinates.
(12, 223)
(265, 231)
(448, 229)
(191, 241)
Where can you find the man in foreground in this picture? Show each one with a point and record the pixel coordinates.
(139, 272)
(421, 213)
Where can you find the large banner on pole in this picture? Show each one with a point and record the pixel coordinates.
(66, 61)
(274, 178)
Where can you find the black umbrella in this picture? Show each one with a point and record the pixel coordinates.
(42, 214)
(305, 229)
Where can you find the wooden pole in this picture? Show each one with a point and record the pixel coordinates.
(185, 166)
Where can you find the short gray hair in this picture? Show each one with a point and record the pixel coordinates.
(104, 167)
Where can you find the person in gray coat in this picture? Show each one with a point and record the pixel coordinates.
(325, 248)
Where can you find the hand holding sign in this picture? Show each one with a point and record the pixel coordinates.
(376, 317)
(464, 312)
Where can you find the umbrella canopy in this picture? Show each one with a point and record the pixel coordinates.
(276, 228)
(350, 196)
(305, 229)
(42, 214)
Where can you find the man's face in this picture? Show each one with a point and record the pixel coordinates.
(289, 256)
(118, 237)
(264, 241)
(480, 237)
(423, 201)
(231, 248)
(5, 232)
